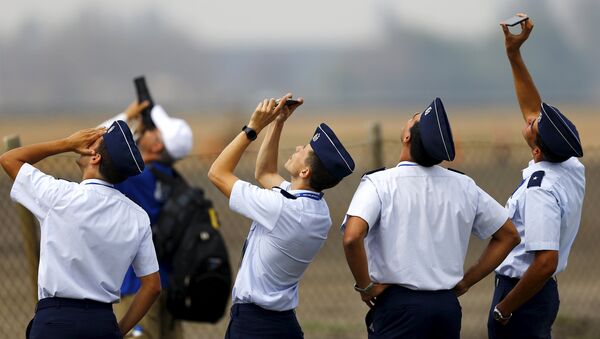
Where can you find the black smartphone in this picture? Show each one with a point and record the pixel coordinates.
(289, 102)
(515, 20)
(143, 94)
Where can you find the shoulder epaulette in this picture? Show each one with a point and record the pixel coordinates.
(285, 193)
(373, 171)
(535, 180)
(453, 170)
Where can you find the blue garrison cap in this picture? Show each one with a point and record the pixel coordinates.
(122, 149)
(331, 152)
(435, 132)
(558, 132)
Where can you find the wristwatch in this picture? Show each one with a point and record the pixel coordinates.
(498, 315)
(250, 133)
(364, 290)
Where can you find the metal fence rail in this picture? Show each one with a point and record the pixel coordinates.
(329, 308)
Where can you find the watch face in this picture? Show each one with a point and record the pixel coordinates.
(497, 315)
(250, 133)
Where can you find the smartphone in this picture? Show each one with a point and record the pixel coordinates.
(515, 20)
(289, 102)
(143, 94)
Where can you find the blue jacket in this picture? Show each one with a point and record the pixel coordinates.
(144, 191)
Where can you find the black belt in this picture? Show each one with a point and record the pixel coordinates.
(67, 302)
(236, 308)
(514, 281)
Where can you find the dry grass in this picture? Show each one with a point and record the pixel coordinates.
(213, 129)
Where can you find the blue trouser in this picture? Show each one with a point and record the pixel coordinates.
(400, 312)
(61, 318)
(533, 319)
(249, 321)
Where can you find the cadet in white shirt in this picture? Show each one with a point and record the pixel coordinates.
(290, 223)
(90, 234)
(407, 230)
(545, 208)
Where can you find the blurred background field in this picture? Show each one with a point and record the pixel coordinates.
(213, 129)
(69, 64)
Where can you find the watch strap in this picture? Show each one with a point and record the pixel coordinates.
(499, 316)
(366, 289)
(250, 133)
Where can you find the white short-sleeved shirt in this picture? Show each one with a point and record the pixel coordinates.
(90, 234)
(284, 238)
(420, 219)
(546, 214)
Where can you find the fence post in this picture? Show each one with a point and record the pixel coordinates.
(28, 228)
(376, 142)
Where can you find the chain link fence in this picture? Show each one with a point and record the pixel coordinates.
(329, 307)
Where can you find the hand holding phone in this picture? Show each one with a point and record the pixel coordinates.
(513, 41)
(291, 104)
(288, 102)
(515, 20)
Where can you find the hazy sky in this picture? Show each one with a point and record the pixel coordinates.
(228, 23)
(45, 49)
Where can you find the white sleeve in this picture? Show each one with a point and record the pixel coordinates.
(259, 204)
(365, 204)
(107, 123)
(489, 217)
(145, 261)
(37, 191)
(542, 220)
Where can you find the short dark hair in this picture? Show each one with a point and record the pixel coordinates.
(107, 168)
(320, 178)
(417, 149)
(547, 153)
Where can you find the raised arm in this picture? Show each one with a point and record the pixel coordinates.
(266, 162)
(221, 172)
(78, 142)
(527, 94)
(131, 115)
(502, 242)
